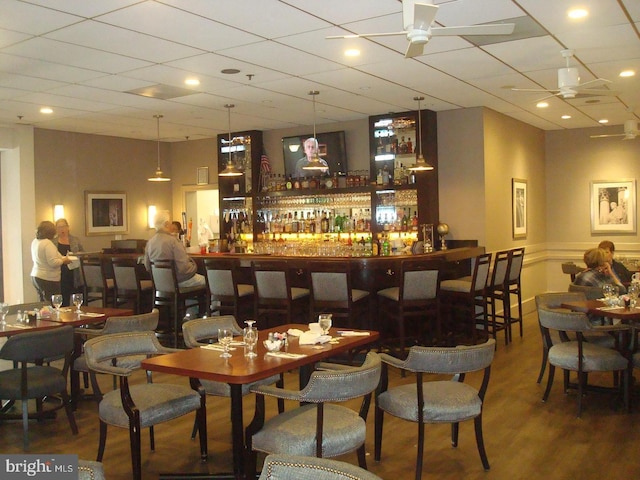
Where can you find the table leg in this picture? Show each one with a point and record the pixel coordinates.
(237, 431)
(74, 374)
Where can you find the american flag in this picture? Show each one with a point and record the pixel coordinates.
(265, 164)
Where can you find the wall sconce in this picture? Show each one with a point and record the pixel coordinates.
(151, 216)
(58, 212)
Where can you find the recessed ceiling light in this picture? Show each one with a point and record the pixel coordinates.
(352, 52)
(46, 110)
(566, 117)
(230, 71)
(577, 13)
(542, 104)
(603, 120)
(627, 73)
(192, 82)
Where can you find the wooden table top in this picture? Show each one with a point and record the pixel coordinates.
(600, 308)
(92, 315)
(207, 364)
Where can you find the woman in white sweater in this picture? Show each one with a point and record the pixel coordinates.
(45, 274)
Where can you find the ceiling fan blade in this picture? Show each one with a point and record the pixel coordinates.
(364, 35)
(606, 136)
(493, 29)
(594, 83)
(595, 92)
(630, 136)
(414, 50)
(420, 17)
(537, 90)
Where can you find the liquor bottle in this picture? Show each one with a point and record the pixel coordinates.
(289, 183)
(375, 247)
(403, 145)
(379, 177)
(385, 175)
(380, 148)
(409, 146)
(414, 221)
(324, 223)
(386, 246)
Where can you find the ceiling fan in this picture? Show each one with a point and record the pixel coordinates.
(418, 19)
(569, 85)
(630, 131)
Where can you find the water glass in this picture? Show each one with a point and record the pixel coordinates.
(324, 321)
(77, 299)
(250, 337)
(4, 309)
(225, 337)
(56, 301)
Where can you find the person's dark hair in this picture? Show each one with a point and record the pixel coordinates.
(607, 245)
(178, 225)
(46, 229)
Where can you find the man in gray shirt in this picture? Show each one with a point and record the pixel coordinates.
(165, 246)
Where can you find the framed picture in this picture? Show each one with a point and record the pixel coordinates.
(519, 207)
(202, 177)
(106, 213)
(613, 206)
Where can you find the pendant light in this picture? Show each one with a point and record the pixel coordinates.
(315, 163)
(421, 164)
(230, 170)
(159, 175)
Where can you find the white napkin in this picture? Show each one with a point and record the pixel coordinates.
(215, 346)
(295, 332)
(285, 355)
(311, 338)
(75, 263)
(351, 333)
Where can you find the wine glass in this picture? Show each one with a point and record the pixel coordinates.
(56, 301)
(607, 291)
(77, 300)
(324, 321)
(250, 337)
(225, 336)
(4, 309)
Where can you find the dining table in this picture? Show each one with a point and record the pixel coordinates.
(207, 363)
(600, 308)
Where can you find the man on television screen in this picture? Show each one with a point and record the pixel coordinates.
(310, 151)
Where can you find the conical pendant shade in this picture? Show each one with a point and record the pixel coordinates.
(315, 163)
(421, 164)
(158, 177)
(230, 170)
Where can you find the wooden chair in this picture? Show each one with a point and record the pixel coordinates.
(415, 298)
(274, 296)
(130, 284)
(467, 297)
(513, 287)
(168, 294)
(497, 290)
(98, 286)
(224, 286)
(332, 292)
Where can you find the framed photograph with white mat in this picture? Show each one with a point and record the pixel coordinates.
(106, 213)
(613, 206)
(519, 207)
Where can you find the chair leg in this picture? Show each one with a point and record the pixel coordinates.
(379, 420)
(194, 430)
(552, 371)
(420, 450)
(152, 439)
(201, 418)
(103, 441)
(362, 457)
(480, 441)
(136, 456)
(543, 366)
(69, 410)
(455, 427)
(25, 424)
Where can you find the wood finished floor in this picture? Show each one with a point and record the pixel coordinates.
(524, 438)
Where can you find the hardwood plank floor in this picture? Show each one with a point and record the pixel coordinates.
(524, 438)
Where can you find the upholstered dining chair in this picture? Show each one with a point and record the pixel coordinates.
(497, 290)
(223, 281)
(200, 332)
(130, 284)
(33, 380)
(439, 401)
(295, 467)
(319, 427)
(144, 322)
(98, 286)
(580, 356)
(138, 406)
(89, 470)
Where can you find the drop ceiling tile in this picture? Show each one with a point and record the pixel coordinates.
(9, 37)
(472, 12)
(339, 11)
(553, 14)
(468, 63)
(26, 18)
(82, 7)
(529, 54)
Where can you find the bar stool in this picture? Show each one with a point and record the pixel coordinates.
(415, 298)
(467, 297)
(129, 284)
(274, 295)
(167, 293)
(497, 290)
(235, 298)
(514, 288)
(332, 292)
(98, 286)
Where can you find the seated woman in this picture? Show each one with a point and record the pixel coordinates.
(620, 270)
(599, 271)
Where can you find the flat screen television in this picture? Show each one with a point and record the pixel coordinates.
(332, 149)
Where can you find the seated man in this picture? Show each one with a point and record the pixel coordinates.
(165, 246)
(599, 271)
(620, 270)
